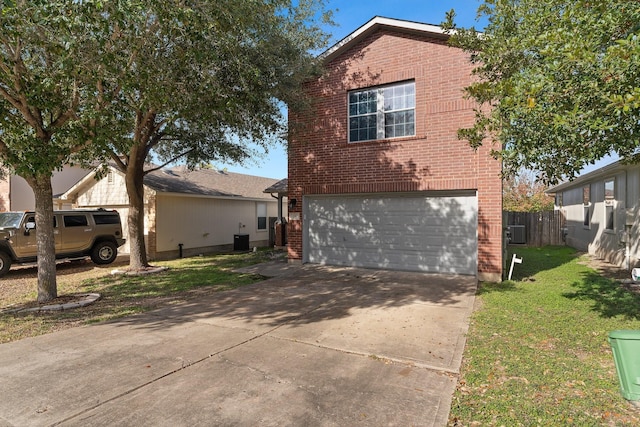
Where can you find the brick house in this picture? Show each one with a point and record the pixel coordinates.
(377, 175)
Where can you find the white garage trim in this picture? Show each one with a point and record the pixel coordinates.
(431, 232)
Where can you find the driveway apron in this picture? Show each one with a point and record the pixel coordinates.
(313, 345)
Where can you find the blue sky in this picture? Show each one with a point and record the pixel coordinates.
(349, 15)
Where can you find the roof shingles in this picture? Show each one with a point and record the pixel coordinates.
(208, 182)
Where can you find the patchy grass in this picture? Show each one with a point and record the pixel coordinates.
(537, 350)
(121, 295)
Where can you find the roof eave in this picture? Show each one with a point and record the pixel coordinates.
(376, 23)
(605, 170)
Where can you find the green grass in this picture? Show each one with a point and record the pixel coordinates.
(537, 350)
(185, 279)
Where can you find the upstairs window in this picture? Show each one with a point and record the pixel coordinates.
(382, 112)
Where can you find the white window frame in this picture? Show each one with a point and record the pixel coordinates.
(586, 202)
(383, 110)
(261, 206)
(609, 204)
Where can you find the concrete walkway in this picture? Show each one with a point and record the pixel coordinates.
(313, 346)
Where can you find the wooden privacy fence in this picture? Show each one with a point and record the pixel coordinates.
(540, 228)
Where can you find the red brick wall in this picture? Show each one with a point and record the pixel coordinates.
(321, 161)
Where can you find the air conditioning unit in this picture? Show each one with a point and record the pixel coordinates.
(518, 234)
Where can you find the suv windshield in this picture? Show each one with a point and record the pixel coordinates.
(10, 219)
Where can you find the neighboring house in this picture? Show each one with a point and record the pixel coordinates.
(601, 213)
(17, 195)
(377, 175)
(203, 210)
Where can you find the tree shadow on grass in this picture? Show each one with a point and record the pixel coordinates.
(538, 259)
(607, 297)
(505, 286)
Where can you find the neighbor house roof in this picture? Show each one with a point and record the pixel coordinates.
(208, 182)
(603, 171)
(377, 23)
(197, 182)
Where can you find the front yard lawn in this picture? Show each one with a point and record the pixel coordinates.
(537, 350)
(120, 295)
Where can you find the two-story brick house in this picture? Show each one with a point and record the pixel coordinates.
(377, 175)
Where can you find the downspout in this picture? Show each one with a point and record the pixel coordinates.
(279, 198)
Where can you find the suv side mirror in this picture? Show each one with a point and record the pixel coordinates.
(28, 227)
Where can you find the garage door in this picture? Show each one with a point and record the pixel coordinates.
(415, 232)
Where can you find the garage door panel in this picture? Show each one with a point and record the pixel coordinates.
(435, 234)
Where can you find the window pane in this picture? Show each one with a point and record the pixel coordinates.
(396, 101)
(609, 190)
(75, 220)
(261, 209)
(106, 219)
(609, 216)
(586, 216)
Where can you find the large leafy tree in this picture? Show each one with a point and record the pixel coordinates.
(203, 81)
(558, 82)
(523, 193)
(143, 80)
(48, 104)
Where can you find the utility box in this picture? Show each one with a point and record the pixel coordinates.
(625, 345)
(240, 242)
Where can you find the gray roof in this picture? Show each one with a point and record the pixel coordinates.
(582, 179)
(208, 182)
(280, 187)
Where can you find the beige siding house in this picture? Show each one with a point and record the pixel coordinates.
(199, 211)
(602, 213)
(16, 195)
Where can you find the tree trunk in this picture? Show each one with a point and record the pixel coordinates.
(45, 239)
(135, 190)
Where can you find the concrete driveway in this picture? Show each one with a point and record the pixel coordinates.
(311, 346)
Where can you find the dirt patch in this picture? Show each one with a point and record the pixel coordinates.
(613, 272)
(21, 283)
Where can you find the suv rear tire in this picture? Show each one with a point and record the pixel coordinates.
(104, 252)
(5, 263)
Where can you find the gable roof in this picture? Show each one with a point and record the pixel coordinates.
(377, 23)
(197, 182)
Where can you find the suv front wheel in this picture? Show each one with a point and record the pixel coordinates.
(5, 263)
(104, 252)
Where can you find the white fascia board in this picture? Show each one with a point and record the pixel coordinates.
(384, 22)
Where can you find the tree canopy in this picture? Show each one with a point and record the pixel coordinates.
(201, 81)
(558, 82)
(49, 106)
(523, 193)
(137, 81)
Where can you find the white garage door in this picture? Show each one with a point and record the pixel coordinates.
(398, 232)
